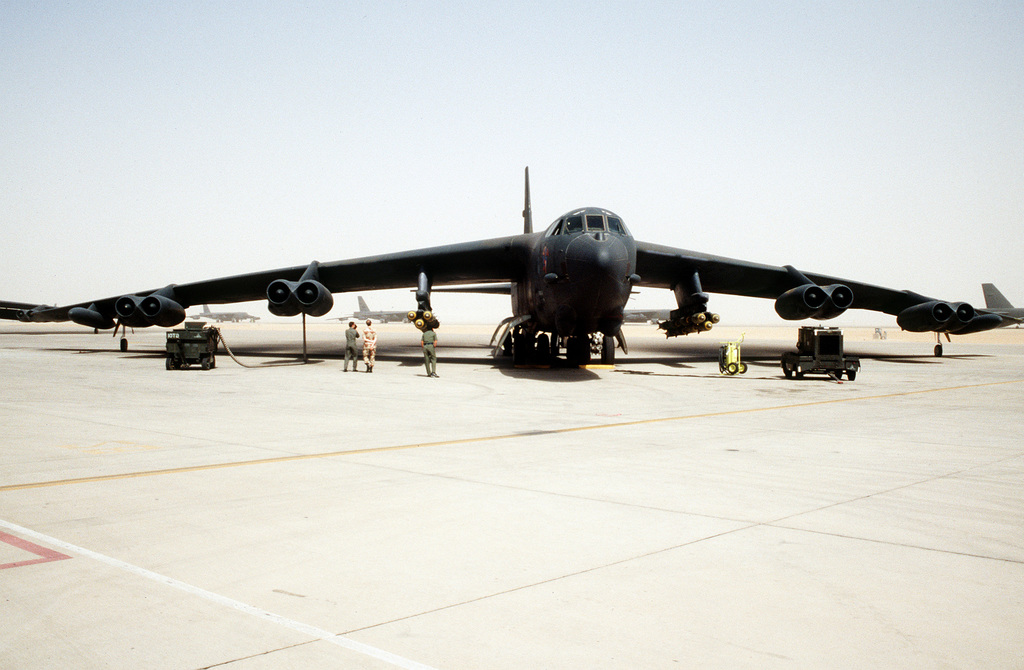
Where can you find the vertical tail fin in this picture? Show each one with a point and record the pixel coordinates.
(993, 298)
(527, 209)
(362, 304)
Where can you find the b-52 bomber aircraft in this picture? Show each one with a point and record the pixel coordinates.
(567, 283)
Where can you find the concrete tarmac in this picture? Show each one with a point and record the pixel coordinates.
(654, 515)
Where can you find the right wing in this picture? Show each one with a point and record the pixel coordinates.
(495, 260)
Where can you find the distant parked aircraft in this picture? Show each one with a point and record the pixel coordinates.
(365, 312)
(233, 317)
(997, 303)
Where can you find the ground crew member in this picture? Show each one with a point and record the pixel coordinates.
(369, 346)
(351, 335)
(428, 342)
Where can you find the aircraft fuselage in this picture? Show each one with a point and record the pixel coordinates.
(579, 277)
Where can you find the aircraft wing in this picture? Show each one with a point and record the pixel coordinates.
(664, 267)
(498, 259)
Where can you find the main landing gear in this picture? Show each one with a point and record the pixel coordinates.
(543, 350)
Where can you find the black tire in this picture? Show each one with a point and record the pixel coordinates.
(851, 374)
(938, 350)
(743, 368)
(608, 350)
(732, 368)
(170, 363)
(124, 344)
(543, 350)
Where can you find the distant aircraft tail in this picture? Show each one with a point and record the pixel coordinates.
(527, 208)
(363, 307)
(993, 298)
(206, 308)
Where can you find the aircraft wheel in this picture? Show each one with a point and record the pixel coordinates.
(578, 350)
(124, 344)
(608, 350)
(732, 368)
(543, 348)
(743, 368)
(938, 350)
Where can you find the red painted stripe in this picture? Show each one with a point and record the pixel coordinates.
(45, 555)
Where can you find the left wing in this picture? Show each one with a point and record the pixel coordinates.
(799, 295)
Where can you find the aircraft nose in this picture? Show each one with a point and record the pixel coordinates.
(597, 257)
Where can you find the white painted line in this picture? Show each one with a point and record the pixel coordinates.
(298, 626)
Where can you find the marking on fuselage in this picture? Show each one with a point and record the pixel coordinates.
(489, 438)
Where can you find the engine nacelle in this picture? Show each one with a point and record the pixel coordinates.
(281, 298)
(87, 316)
(288, 298)
(802, 302)
(314, 297)
(979, 323)
(162, 311)
(933, 315)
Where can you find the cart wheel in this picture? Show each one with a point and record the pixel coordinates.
(786, 371)
(732, 368)
(213, 361)
(205, 364)
(743, 368)
(170, 363)
(851, 374)
(838, 374)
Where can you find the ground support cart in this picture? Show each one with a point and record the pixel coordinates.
(820, 351)
(196, 343)
(729, 362)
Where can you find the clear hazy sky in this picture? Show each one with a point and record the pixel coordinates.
(143, 144)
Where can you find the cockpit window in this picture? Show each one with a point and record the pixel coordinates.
(615, 225)
(574, 224)
(557, 228)
(595, 222)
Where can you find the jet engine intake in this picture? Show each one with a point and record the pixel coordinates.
(811, 301)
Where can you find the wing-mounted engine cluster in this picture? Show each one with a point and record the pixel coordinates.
(810, 301)
(306, 296)
(959, 318)
(160, 308)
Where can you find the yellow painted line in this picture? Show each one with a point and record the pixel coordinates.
(490, 438)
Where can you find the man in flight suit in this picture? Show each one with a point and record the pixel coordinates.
(351, 335)
(429, 342)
